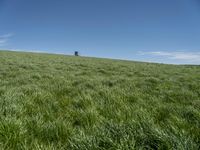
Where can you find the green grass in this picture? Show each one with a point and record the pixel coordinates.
(78, 103)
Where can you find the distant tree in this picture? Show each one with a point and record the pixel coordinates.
(76, 53)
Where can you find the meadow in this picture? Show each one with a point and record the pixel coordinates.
(52, 101)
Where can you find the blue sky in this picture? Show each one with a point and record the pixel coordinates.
(166, 31)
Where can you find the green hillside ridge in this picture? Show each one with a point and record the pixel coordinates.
(52, 101)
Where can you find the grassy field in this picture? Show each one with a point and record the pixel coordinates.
(78, 103)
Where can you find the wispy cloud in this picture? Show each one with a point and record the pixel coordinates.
(4, 38)
(180, 56)
(39, 51)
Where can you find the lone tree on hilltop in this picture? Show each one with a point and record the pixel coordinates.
(76, 53)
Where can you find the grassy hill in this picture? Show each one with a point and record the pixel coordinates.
(65, 102)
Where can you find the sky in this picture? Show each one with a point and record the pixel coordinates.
(164, 31)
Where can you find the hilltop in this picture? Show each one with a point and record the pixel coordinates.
(52, 101)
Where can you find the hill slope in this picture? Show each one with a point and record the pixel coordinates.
(65, 102)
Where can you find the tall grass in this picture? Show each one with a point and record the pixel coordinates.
(65, 102)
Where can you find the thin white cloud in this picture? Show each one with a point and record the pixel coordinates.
(38, 51)
(4, 38)
(181, 56)
(2, 41)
